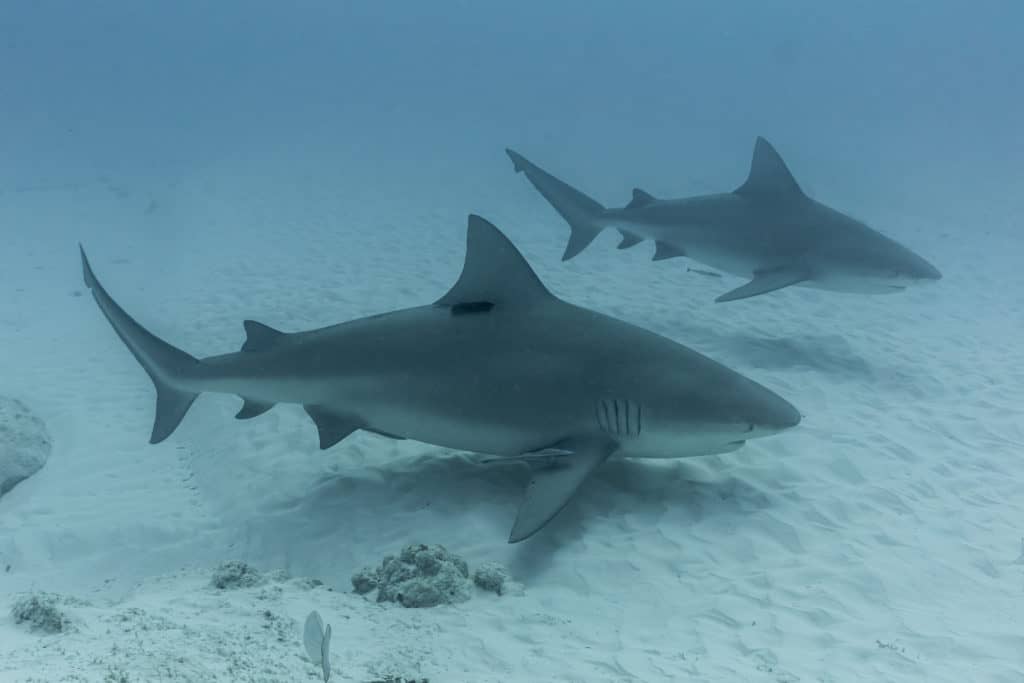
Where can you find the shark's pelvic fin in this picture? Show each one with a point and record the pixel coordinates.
(640, 199)
(167, 366)
(494, 273)
(332, 427)
(580, 211)
(769, 177)
(663, 250)
(251, 409)
(767, 281)
(629, 239)
(260, 337)
(552, 486)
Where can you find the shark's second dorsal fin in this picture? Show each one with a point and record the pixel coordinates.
(494, 273)
(769, 177)
(260, 337)
(640, 199)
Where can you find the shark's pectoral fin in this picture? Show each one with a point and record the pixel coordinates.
(552, 485)
(251, 409)
(260, 337)
(663, 250)
(767, 281)
(332, 426)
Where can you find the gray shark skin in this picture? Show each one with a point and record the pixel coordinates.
(767, 231)
(498, 365)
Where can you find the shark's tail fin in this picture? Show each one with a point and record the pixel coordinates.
(169, 368)
(581, 212)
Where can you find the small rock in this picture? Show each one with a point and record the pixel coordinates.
(421, 576)
(25, 443)
(365, 580)
(235, 574)
(491, 576)
(41, 613)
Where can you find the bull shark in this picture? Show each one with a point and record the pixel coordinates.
(498, 365)
(767, 230)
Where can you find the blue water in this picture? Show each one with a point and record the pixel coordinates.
(306, 163)
(910, 95)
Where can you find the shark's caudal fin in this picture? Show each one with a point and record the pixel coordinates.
(167, 366)
(581, 212)
(769, 177)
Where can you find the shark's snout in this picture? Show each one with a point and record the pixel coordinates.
(917, 269)
(770, 413)
(780, 415)
(928, 272)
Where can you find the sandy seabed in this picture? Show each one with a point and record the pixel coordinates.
(881, 540)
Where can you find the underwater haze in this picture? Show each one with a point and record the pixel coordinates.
(310, 163)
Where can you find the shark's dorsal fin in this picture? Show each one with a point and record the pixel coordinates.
(769, 177)
(260, 337)
(640, 198)
(494, 273)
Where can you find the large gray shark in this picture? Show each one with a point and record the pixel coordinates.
(498, 365)
(767, 231)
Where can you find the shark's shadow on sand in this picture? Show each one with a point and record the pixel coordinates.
(827, 354)
(415, 499)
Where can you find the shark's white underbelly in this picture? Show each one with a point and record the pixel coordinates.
(727, 261)
(692, 241)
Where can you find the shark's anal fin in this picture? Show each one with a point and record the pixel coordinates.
(260, 337)
(552, 486)
(332, 426)
(663, 250)
(251, 409)
(640, 199)
(767, 281)
(629, 239)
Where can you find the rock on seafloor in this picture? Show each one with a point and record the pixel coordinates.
(25, 443)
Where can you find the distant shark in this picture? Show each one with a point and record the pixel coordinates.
(498, 365)
(767, 231)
